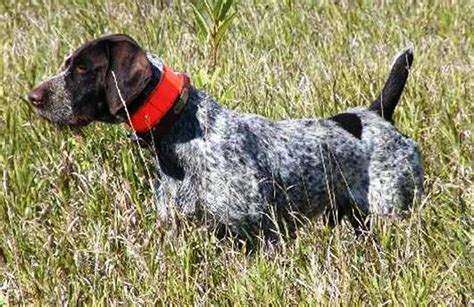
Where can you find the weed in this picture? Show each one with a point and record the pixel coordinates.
(213, 18)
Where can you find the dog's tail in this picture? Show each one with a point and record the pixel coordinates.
(386, 102)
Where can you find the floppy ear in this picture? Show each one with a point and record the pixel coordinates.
(132, 70)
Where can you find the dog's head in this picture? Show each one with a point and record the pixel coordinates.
(86, 89)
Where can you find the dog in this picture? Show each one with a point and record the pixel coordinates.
(246, 173)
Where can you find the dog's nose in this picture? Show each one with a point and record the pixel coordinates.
(37, 96)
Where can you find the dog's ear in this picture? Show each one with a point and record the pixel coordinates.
(128, 71)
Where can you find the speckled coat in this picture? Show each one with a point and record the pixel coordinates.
(251, 173)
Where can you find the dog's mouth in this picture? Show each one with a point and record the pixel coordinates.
(78, 122)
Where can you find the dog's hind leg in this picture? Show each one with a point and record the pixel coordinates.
(350, 208)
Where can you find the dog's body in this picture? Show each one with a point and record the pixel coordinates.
(245, 170)
(250, 173)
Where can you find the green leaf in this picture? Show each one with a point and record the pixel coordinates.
(225, 9)
(201, 21)
(207, 7)
(223, 28)
(217, 9)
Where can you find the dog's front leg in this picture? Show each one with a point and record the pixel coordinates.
(163, 203)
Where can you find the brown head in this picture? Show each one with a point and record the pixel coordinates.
(86, 88)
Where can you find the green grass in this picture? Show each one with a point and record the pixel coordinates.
(77, 221)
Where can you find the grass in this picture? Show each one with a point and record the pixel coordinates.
(77, 221)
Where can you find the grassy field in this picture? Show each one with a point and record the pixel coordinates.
(77, 220)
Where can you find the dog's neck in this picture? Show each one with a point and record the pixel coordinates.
(177, 130)
(185, 136)
(171, 139)
(159, 105)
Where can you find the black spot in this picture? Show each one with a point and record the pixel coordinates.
(349, 122)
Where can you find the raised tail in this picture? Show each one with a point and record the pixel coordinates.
(386, 102)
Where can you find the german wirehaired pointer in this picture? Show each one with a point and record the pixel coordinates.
(245, 172)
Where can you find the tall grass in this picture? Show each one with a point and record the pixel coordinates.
(77, 220)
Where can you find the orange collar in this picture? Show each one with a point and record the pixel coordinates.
(172, 90)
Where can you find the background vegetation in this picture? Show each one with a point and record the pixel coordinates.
(77, 221)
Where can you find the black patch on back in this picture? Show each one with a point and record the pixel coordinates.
(349, 122)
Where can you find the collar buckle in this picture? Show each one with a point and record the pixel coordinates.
(182, 100)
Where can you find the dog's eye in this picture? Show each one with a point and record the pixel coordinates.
(80, 68)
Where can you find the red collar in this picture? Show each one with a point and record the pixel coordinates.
(172, 90)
